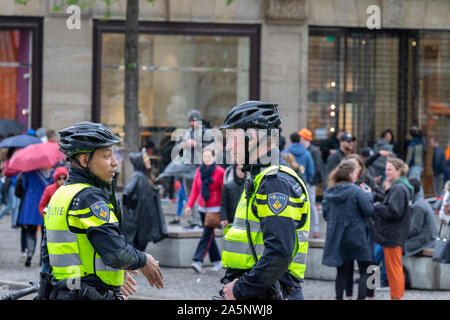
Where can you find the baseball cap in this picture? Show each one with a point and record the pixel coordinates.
(347, 137)
(305, 134)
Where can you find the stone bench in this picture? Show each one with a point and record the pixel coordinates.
(179, 247)
(424, 273)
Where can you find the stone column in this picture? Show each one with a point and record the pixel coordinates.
(284, 61)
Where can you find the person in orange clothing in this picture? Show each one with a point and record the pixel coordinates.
(392, 220)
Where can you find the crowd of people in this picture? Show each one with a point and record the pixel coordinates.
(373, 202)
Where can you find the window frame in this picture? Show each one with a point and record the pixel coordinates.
(253, 31)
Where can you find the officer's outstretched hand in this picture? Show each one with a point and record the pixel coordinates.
(128, 288)
(152, 272)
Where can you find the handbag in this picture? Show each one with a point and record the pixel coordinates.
(212, 220)
(441, 251)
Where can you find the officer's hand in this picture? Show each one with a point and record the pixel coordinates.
(228, 290)
(152, 272)
(128, 288)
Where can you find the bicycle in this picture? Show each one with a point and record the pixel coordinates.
(21, 293)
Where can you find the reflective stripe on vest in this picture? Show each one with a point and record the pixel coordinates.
(71, 254)
(236, 252)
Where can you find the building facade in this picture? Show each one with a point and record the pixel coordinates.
(316, 58)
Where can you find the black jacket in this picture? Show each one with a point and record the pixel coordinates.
(318, 165)
(279, 235)
(333, 161)
(393, 216)
(143, 219)
(346, 209)
(106, 239)
(423, 231)
(231, 194)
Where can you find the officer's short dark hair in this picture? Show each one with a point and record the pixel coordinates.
(294, 137)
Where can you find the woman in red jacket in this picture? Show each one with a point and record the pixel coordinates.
(207, 191)
(59, 176)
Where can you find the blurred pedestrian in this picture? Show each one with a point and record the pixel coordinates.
(423, 231)
(231, 194)
(41, 134)
(305, 140)
(181, 200)
(346, 142)
(207, 190)
(444, 212)
(331, 145)
(190, 142)
(302, 156)
(384, 144)
(59, 177)
(415, 154)
(346, 208)
(142, 220)
(438, 166)
(9, 198)
(34, 183)
(392, 222)
(365, 180)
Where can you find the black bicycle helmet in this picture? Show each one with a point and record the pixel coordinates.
(253, 114)
(85, 136)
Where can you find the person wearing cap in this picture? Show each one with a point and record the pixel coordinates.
(346, 141)
(190, 142)
(305, 140)
(87, 251)
(264, 251)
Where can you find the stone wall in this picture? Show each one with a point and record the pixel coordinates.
(284, 40)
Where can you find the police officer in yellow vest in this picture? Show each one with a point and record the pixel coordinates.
(265, 247)
(89, 258)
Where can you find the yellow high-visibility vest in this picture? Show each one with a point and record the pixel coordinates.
(237, 254)
(71, 254)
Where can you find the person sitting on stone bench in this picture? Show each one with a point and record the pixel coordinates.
(423, 230)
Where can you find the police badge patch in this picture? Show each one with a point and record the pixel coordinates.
(277, 202)
(101, 210)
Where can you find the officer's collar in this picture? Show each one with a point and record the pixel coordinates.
(255, 168)
(77, 175)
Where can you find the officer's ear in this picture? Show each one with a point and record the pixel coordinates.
(83, 159)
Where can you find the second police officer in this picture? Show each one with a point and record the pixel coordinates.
(265, 248)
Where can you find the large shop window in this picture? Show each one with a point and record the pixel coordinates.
(353, 79)
(183, 66)
(20, 70)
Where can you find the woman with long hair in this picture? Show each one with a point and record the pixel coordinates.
(346, 208)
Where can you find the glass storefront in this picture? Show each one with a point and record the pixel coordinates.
(364, 82)
(177, 73)
(207, 67)
(433, 105)
(15, 75)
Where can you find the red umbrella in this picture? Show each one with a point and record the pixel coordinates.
(36, 156)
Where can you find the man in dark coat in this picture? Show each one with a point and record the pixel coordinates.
(423, 231)
(439, 167)
(231, 194)
(143, 219)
